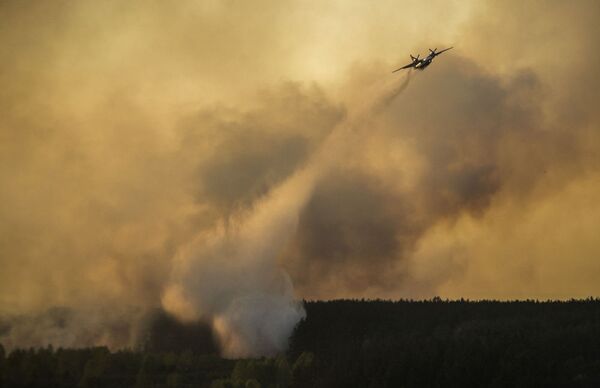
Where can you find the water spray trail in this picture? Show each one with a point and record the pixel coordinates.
(232, 278)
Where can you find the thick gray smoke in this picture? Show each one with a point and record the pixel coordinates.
(232, 278)
(112, 326)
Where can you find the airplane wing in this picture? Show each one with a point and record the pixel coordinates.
(439, 52)
(405, 67)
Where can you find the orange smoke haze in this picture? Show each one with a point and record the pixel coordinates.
(139, 142)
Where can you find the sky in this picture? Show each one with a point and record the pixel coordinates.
(184, 156)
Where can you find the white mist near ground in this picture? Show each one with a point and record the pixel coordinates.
(231, 277)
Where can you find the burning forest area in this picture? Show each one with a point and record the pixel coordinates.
(230, 194)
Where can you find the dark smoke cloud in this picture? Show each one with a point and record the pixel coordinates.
(248, 153)
(481, 137)
(350, 220)
(357, 227)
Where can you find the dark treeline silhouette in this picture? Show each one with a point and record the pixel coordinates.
(351, 343)
(451, 343)
(166, 334)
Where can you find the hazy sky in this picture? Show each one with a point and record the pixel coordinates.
(132, 131)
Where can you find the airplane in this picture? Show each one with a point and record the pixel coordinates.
(421, 64)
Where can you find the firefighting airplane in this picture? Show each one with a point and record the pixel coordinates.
(421, 64)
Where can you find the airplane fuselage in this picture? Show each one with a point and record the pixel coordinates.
(424, 63)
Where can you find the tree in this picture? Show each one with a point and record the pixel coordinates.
(95, 368)
(302, 370)
(252, 383)
(144, 379)
(284, 372)
(227, 383)
(2, 365)
(174, 380)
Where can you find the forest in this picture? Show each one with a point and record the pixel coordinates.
(350, 343)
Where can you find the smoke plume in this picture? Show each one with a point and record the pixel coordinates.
(232, 277)
(204, 157)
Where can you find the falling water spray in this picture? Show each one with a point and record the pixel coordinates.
(230, 276)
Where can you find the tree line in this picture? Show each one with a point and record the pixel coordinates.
(351, 343)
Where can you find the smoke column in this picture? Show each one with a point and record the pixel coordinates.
(231, 278)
